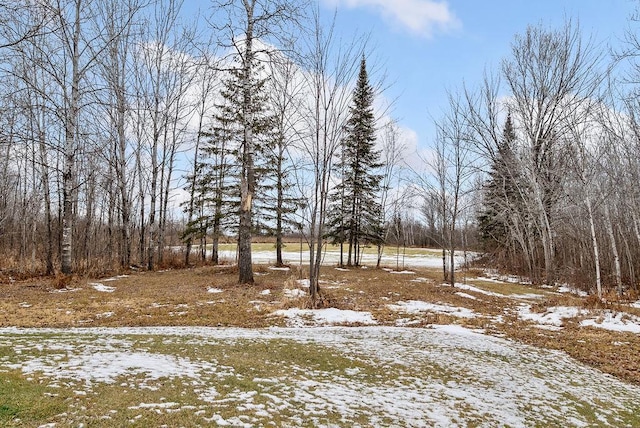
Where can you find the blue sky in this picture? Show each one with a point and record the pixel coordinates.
(427, 46)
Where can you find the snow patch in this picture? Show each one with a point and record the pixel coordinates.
(417, 306)
(554, 315)
(65, 290)
(105, 315)
(477, 290)
(329, 316)
(614, 321)
(115, 278)
(303, 283)
(467, 296)
(102, 288)
(106, 367)
(294, 293)
(214, 290)
(568, 289)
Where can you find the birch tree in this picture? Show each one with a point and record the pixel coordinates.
(548, 75)
(329, 67)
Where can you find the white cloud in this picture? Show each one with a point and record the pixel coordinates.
(422, 17)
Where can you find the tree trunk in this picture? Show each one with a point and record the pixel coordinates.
(71, 121)
(614, 247)
(596, 251)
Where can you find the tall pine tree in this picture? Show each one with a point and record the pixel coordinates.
(503, 215)
(355, 211)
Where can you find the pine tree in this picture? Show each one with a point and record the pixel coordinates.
(276, 206)
(229, 162)
(355, 210)
(502, 196)
(249, 126)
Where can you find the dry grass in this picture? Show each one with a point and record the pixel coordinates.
(186, 298)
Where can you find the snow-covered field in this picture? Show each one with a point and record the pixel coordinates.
(445, 376)
(332, 257)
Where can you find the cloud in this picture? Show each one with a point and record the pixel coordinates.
(421, 17)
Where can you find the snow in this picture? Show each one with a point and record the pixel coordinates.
(115, 278)
(554, 316)
(106, 367)
(265, 292)
(636, 305)
(445, 376)
(294, 293)
(214, 290)
(105, 315)
(102, 288)
(417, 306)
(303, 283)
(465, 295)
(615, 321)
(283, 268)
(570, 290)
(477, 290)
(329, 316)
(154, 406)
(607, 319)
(332, 257)
(493, 294)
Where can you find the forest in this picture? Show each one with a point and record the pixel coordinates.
(135, 137)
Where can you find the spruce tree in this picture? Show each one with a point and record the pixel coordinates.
(501, 195)
(230, 162)
(355, 208)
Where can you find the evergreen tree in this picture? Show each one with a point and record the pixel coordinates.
(228, 159)
(355, 211)
(502, 196)
(276, 206)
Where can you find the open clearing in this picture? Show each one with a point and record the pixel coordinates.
(347, 376)
(392, 348)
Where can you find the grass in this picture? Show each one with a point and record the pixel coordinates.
(183, 298)
(255, 381)
(244, 366)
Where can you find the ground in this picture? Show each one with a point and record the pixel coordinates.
(393, 347)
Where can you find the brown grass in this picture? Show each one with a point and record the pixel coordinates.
(181, 297)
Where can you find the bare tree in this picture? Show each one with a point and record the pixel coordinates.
(205, 81)
(285, 92)
(330, 66)
(121, 35)
(548, 74)
(392, 154)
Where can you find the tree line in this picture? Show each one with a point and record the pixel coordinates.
(262, 122)
(112, 110)
(544, 150)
